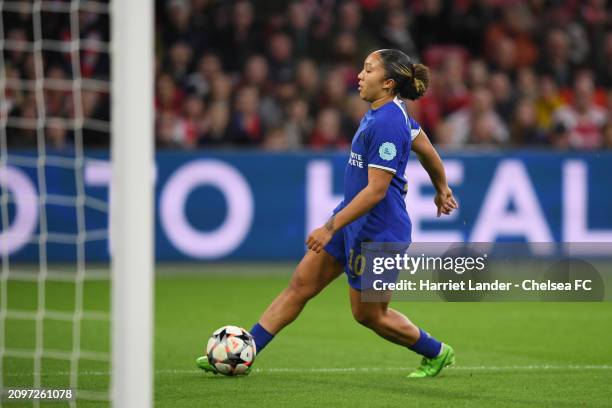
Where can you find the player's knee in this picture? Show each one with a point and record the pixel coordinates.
(367, 318)
(300, 290)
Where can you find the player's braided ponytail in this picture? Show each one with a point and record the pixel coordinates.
(411, 80)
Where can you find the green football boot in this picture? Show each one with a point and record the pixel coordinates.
(430, 367)
(203, 363)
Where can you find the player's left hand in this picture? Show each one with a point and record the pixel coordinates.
(445, 201)
(318, 238)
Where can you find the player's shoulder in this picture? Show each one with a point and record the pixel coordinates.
(392, 115)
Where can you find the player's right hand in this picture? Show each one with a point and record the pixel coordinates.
(445, 202)
(318, 238)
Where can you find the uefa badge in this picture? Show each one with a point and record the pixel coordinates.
(387, 151)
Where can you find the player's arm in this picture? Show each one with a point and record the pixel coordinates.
(432, 163)
(364, 201)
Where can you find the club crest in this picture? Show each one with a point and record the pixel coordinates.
(387, 151)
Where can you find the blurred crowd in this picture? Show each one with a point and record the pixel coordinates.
(72, 102)
(282, 75)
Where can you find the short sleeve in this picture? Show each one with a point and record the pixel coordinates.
(415, 128)
(386, 144)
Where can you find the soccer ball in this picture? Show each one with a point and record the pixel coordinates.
(231, 350)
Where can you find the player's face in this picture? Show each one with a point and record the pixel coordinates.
(372, 83)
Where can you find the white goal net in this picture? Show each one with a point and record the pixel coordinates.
(67, 322)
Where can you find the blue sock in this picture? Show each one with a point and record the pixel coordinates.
(426, 345)
(262, 337)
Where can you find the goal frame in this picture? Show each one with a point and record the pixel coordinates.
(131, 195)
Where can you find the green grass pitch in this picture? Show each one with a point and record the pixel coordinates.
(508, 354)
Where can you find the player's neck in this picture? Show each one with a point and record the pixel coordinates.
(382, 101)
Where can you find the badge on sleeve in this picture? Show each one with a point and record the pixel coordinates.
(387, 151)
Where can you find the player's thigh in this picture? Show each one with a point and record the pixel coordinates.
(315, 271)
(366, 311)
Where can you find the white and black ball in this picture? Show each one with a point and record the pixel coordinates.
(231, 350)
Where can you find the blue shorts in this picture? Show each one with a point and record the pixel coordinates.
(337, 248)
(357, 268)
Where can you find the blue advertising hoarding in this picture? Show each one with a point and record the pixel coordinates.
(260, 206)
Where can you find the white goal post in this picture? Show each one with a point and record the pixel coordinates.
(131, 225)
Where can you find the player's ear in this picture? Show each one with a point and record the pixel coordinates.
(388, 85)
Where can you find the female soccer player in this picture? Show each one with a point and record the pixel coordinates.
(373, 209)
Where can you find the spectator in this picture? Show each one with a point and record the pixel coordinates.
(92, 27)
(349, 21)
(354, 110)
(443, 135)
(240, 39)
(177, 27)
(482, 131)
(215, 125)
(13, 96)
(480, 116)
(560, 137)
(609, 104)
(503, 56)
(346, 52)
(57, 97)
(179, 62)
(583, 119)
(527, 83)
(167, 136)
(169, 97)
(326, 134)
(478, 74)
(245, 127)
(454, 93)
(307, 80)
(18, 54)
(298, 16)
(200, 81)
(524, 128)
(547, 103)
(432, 24)
(395, 33)
(515, 25)
(190, 124)
(57, 135)
(604, 67)
(276, 140)
(280, 54)
(472, 24)
(221, 90)
(334, 90)
(256, 73)
(606, 142)
(298, 125)
(503, 95)
(29, 113)
(94, 108)
(555, 61)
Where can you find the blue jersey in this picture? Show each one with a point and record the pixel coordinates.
(382, 141)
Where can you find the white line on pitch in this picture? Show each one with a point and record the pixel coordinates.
(351, 369)
(466, 368)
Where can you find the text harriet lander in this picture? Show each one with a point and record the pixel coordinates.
(469, 285)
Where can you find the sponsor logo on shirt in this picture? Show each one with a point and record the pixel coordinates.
(356, 160)
(387, 151)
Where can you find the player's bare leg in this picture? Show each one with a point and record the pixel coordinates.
(314, 272)
(386, 322)
(397, 328)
